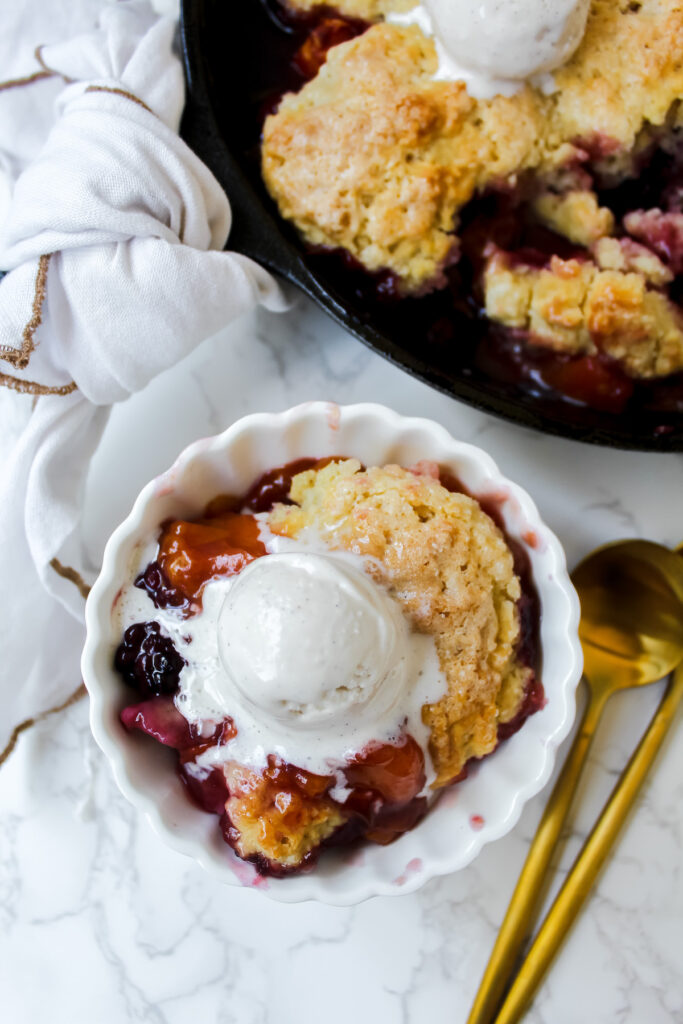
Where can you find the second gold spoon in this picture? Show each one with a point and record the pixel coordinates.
(631, 631)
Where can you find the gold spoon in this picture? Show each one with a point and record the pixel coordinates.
(587, 865)
(631, 631)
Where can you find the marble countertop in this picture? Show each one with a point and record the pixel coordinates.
(99, 922)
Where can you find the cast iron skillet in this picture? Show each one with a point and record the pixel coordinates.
(235, 62)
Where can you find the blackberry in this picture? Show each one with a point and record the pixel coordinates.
(148, 661)
(160, 589)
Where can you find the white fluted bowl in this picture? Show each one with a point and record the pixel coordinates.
(483, 807)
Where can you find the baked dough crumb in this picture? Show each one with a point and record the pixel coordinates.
(574, 306)
(375, 157)
(449, 566)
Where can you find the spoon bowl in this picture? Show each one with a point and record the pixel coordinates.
(631, 629)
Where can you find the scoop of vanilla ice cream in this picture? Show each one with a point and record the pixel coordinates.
(509, 39)
(308, 638)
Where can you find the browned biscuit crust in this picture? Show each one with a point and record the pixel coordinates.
(279, 826)
(575, 307)
(450, 568)
(375, 156)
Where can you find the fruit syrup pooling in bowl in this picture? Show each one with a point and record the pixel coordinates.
(504, 219)
(383, 788)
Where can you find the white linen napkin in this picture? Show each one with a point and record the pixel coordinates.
(113, 238)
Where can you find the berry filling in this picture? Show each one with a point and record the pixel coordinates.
(330, 30)
(191, 554)
(148, 661)
(160, 719)
(155, 583)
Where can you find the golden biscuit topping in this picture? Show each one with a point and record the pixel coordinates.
(376, 157)
(448, 565)
(575, 307)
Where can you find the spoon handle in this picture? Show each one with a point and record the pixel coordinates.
(518, 923)
(587, 865)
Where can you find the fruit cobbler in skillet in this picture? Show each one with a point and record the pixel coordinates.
(531, 166)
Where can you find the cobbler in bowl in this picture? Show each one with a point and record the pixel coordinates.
(363, 653)
(329, 651)
(548, 216)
